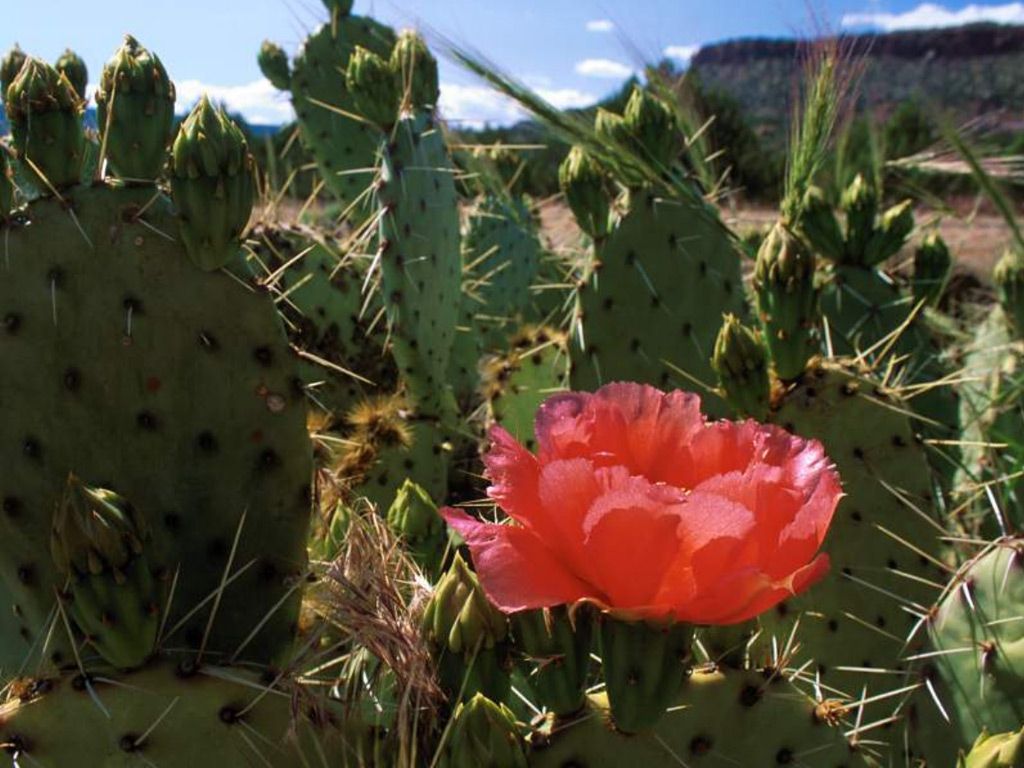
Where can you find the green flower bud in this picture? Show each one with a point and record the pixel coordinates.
(860, 204)
(6, 186)
(72, 66)
(555, 644)
(274, 65)
(483, 733)
(741, 362)
(645, 665)
(413, 516)
(1009, 279)
(99, 544)
(212, 185)
(894, 228)
(818, 225)
(468, 635)
(10, 66)
(373, 85)
(46, 123)
(652, 126)
(583, 183)
(787, 301)
(1003, 750)
(416, 69)
(135, 112)
(611, 127)
(933, 266)
(339, 8)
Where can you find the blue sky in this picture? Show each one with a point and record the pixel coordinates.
(572, 51)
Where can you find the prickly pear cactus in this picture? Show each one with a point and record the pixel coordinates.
(722, 719)
(977, 638)
(990, 410)
(174, 717)
(667, 264)
(126, 364)
(1002, 750)
(664, 261)
(517, 382)
(884, 541)
(503, 250)
(338, 330)
(344, 145)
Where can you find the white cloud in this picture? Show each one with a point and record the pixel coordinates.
(681, 52)
(473, 106)
(933, 15)
(258, 101)
(603, 68)
(600, 25)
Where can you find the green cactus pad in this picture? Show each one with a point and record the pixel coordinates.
(122, 362)
(516, 383)
(343, 145)
(386, 444)
(502, 245)
(653, 298)
(338, 332)
(420, 258)
(864, 309)
(884, 541)
(721, 720)
(979, 648)
(174, 718)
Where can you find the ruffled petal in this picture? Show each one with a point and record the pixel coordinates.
(515, 569)
(631, 537)
(514, 473)
(747, 594)
(622, 424)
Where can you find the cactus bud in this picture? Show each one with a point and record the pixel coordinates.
(98, 544)
(373, 85)
(416, 68)
(860, 204)
(483, 734)
(644, 666)
(212, 185)
(6, 186)
(1009, 279)
(135, 111)
(787, 301)
(1003, 750)
(10, 66)
(741, 362)
(46, 123)
(933, 265)
(467, 635)
(818, 225)
(339, 8)
(652, 126)
(556, 644)
(583, 183)
(328, 544)
(72, 66)
(274, 65)
(611, 127)
(894, 228)
(413, 516)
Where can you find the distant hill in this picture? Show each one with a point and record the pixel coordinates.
(971, 70)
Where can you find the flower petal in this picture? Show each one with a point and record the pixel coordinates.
(631, 536)
(515, 569)
(746, 595)
(513, 472)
